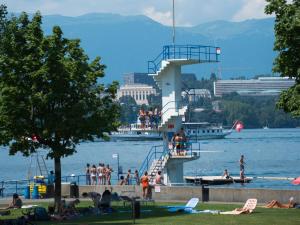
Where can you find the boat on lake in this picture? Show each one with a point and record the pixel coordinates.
(194, 131)
(204, 131)
(136, 132)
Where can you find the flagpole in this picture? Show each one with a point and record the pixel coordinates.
(174, 23)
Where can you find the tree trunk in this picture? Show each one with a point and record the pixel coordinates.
(57, 195)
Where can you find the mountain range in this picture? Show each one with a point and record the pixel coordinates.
(126, 43)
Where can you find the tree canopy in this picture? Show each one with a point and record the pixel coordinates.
(287, 43)
(50, 95)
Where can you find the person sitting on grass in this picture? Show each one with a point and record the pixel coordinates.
(70, 206)
(16, 202)
(277, 204)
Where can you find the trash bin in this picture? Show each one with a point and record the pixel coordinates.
(74, 190)
(136, 210)
(27, 192)
(205, 193)
(50, 191)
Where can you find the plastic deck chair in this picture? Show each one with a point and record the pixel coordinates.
(191, 204)
(248, 208)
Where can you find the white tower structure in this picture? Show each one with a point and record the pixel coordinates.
(166, 71)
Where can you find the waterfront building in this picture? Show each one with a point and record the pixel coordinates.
(138, 78)
(263, 86)
(139, 92)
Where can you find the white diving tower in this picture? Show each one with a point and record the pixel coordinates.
(166, 71)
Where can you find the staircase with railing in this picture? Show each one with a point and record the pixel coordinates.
(170, 112)
(158, 157)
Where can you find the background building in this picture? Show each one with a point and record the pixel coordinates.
(139, 92)
(138, 78)
(263, 86)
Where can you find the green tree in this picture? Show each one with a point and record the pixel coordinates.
(49, 90)
(287, 43)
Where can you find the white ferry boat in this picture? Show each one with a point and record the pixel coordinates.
(194, 131)
(136, 132)
(204, 131)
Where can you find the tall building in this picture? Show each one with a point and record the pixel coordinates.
(138, 78)
(139, 92)
(263, 86)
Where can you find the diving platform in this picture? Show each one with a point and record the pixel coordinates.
(184, 55)
(166, 71)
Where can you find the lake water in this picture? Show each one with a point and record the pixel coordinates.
(268, 153)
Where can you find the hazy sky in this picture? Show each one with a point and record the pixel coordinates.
(188, 12)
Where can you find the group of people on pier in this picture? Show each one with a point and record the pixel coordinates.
(179, 142)
(129, 178)
(98, 175)
(149, 118)
(242, 170)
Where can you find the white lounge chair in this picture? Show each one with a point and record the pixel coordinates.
(191, 204)
(249, 207)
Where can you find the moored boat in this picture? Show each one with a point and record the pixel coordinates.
(194, 131)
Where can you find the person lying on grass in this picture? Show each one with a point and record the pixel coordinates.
(277, 204)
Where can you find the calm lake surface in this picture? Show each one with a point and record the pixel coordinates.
(268, 153)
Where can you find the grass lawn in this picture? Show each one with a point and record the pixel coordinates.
(161, 216)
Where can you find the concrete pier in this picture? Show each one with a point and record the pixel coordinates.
(184, 193)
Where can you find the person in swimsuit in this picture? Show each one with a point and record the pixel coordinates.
(137, 177)
(277, 204)
(178, 144)
(100, 173)
(158, 178)
(93, 175)
(145, 184)
(88, 174)
(108, 174)
(128, 177)
(226, 174)
(242, 167)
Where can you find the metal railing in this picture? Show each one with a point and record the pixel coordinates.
(156, 152)
(200, 53)
(9, 187)
(189, 149)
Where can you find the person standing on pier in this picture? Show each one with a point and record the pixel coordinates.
(145, 184)
(128, 177)
(137, 177)
(94, 175)
(88, 174)
(242, 167)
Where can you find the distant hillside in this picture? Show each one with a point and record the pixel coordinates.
(126, 43)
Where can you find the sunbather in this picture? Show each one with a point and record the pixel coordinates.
(277, 204)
